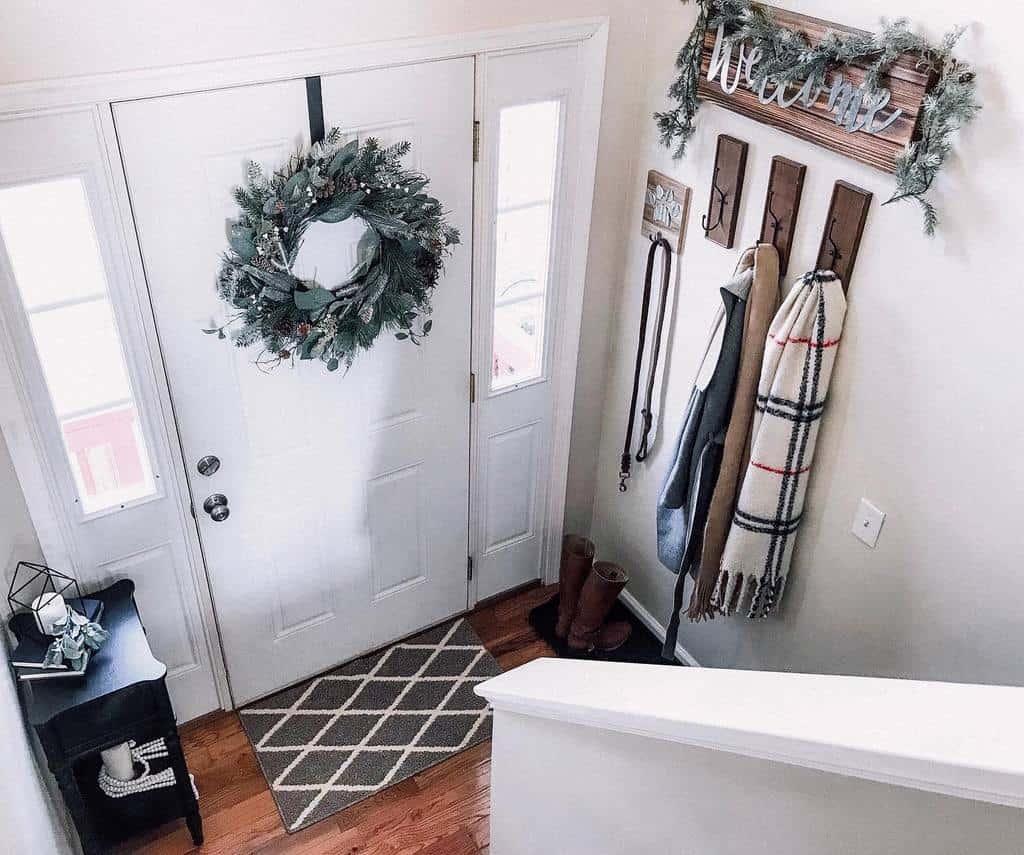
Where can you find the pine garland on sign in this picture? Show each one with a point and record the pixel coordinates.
(788, 58)
(400, 257)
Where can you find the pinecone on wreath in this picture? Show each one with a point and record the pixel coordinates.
(366, 313)
(302, 330)
(328, 327)
(262, 262)
(327, 191)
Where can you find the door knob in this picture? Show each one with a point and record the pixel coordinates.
(217, 507)
(208, 465)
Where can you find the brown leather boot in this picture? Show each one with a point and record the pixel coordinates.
(589, 632)
(577, 558)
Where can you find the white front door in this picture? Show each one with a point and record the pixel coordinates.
(348, 493)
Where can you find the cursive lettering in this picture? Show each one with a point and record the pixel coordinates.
(853, 107)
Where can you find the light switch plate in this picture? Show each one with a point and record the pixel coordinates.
(867, 525)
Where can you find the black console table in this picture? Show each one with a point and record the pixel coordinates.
(122, 696)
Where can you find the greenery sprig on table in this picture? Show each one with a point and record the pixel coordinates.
(400, 257)
(77, 637)
(788, 58)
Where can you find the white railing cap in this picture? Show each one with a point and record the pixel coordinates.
(957, 739)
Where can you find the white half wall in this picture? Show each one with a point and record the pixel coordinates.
(578, 790)
(926, 417)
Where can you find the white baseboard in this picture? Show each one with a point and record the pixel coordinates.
(652, 623)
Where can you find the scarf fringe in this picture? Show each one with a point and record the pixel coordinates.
(732, 592)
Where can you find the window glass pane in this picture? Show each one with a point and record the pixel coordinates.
(32, 217)
(81, 355)
(517, 341)
(108, 458)
(64, 292)
(529, 146)
(527, 154)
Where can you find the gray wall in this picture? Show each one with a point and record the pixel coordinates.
(927, 409)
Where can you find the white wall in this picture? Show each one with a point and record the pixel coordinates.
(17, 536)
(28, 812)
(927, 403)
(575, 790)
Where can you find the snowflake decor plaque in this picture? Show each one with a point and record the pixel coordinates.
(666, 204)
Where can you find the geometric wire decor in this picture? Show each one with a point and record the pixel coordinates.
(24, 593)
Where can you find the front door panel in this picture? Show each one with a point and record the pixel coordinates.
(348, 492)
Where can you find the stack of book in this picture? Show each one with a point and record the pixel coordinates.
(27, 658)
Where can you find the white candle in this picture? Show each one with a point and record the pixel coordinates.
(118, 762)
(49, 608)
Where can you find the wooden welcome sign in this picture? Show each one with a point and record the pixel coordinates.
(841, 116)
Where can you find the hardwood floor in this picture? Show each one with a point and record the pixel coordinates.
(441, 811)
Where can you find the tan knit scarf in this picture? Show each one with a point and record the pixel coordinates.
(762, 303)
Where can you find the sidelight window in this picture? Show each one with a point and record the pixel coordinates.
(47, 232)
(528, 147)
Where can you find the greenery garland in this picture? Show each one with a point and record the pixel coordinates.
(788, 58)
(400, 257)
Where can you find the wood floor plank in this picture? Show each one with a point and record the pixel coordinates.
(443, 810)
(459, 843)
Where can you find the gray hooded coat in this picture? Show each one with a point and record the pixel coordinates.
(690, 483)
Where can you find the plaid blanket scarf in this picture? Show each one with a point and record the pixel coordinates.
(802, 343)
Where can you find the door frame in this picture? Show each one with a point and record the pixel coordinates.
(96, 93)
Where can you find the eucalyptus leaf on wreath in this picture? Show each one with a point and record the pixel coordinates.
(399, 258)
(313, 299)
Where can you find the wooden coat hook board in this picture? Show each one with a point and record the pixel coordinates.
(844, 226)
(719, 223)
(782, 207)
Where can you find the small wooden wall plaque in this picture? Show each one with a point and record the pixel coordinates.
(844, 226)
(719, 223)
(853, 125)
(666, 207)
(782, 207)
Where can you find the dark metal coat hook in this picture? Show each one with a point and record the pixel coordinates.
(776, 225)
(833, 246)
(722, 197)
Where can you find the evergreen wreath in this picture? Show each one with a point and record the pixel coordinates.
(400, 257)
(789, 58)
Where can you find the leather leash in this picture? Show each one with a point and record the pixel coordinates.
(657, 242)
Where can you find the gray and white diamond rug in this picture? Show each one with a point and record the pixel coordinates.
(341, 737)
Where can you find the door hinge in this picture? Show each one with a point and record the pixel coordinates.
(472, 387)
(469, 569)
(476, 142)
